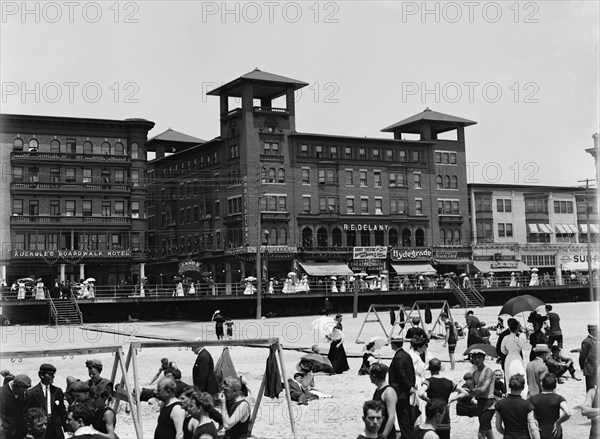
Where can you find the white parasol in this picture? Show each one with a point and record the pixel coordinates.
(250, 278)
(321, 327)
(534, 269)
(333, 278)
(90, 279)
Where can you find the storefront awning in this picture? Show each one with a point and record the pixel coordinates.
(593, 228)
(579, 266)
(494, 267)
(539, 228)
(565, 229)
(414, 269)
(326, 269)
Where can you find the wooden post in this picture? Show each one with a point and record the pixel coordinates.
(287, 389)
(261, 391)
(135, 412)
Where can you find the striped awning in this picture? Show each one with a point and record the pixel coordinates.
(539, 228)
(565, 229)
(593, 228)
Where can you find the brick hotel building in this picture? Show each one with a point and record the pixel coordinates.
(74, 198)
(319, 196)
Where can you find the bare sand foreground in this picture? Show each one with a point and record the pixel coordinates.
(339, 416)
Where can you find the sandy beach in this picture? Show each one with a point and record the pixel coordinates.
(339, 416)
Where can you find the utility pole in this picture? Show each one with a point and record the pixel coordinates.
(259, 244)
(589, 245)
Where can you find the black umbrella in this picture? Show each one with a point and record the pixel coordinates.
(484, 348)
(520, 304)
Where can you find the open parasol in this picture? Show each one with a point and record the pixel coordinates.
(378, 343)
(485, 348)
(250, 278)
(90, 279)
(322, 327)
(520, 304)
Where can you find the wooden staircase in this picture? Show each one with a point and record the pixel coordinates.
(468, 297)
(65, 312)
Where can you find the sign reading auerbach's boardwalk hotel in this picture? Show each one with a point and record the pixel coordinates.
(72, 253)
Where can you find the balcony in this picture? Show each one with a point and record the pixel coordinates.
(70, 220)
(70, 187)
(450, 219)
(24, 156)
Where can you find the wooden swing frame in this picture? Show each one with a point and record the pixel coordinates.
(373, 310)
(416, 308)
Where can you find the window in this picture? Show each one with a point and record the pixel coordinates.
(350, 205)
(135, 179)
(416, 156)
(88, 148)
(417, 178)
(362, 175)
(509, 230)
(105, 148)
(55, 146)
(303, 150)
(33, 145)
(536, 205)
(70, 175)
(86, 208)
(330, 176)
(377, 178)
(71, 146)
(321, 175)
(119, 149)
(333, 152)
(375, 153)
(87, 175)
(453, 159)
(18, 144)
(34, 175)
(282, 203)
(484, 230)
(70, 208)
(54, 175)
(119, 208)
(269, 149)
(305, 175)
(501, 231)
(115, 241)
(447, 182)
(349, 177)
(234, 151)
(445, 158)
(37, 242)
(503, 205)
(17, 207)
(483, 203)
(105, 173)
(397, 206)
(306, 204)
(418, 206)
(17, 173)
(378, 206)
(439, 184)
(217, 209)
(106, 208)
(181, 216)
(20, 241)
(454, 182)
(348, 152)
(119, 176)
(402, 155)
(322, 204)
(135, 209)
(362, 154)
(364, 205)
(281, 175)
(438, 157)
(319, 151)
(563, 207)
(389, 155)
(52, 241)
(331, 204)
(55, 207)
(189, 215)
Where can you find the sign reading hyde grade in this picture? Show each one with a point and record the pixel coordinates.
(411, 254)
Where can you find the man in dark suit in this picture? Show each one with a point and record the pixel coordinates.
(12, 401)
(203, 372)
(51, 399)
(402, 378)
(588, 357)
(298, 392)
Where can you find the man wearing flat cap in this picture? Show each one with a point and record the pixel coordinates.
(588, 357)
(12, 401)
(536, 369)
(51, 399)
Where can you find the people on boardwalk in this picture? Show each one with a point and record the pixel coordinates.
(337, 353)
(385, 393)
(515, 416)
(588, 357)
(40, 293)
(219, 321)
(513, 346)
(551, 410)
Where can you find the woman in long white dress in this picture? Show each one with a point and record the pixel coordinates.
(513, 280)
(39, 290)
(417, 347)
(179, 289)
(21, 293)
(334, 288)
(513, 346)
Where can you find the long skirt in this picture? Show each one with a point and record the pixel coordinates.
(338, 358)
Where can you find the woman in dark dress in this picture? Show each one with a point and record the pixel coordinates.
(219, 321)
(337, 353)
(368, 359)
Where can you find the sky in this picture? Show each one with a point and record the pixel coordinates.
(526, 72)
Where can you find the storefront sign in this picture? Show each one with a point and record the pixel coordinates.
(416, 254)
(450, 254)
(377, 252)
(189, 266)
(578, 257)
(271, 249)
(370, 264)
(369, 227)
(71, 253)
(499, 265)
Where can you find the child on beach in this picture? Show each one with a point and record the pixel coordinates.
(467, 406)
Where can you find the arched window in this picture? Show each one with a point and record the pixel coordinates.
(419, 238)
(393, 237)
(18, 144)
(55, 146)
(336, 237)
(457, 237)
(281, 176)
(119, 150)
(350, 238)
(378, 237)
(105, 148)
(321, 237)
(88, 148)
(365, 238)
(272, 175)
(406, 238)
(135, 151)
(33, 145)
(438, 182)
(454, 183)
(443, 236)
(447, 182)
(273, 236)
(307, 237)
(282, 236)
